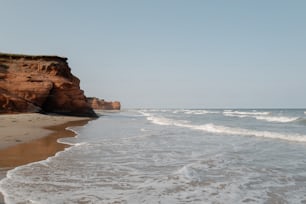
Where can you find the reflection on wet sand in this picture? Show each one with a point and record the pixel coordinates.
(36, 150)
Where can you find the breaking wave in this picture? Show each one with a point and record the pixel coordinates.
(196, 112)
(246, 112)
(219, 129)
(265, 116)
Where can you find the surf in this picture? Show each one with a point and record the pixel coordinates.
(263, 116)
(220, 129)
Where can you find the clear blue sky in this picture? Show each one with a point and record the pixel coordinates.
(170, 53)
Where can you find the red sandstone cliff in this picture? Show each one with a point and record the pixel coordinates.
(100, 104)
(40, 84)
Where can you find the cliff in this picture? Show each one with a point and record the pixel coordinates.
(40, 84)
(100, 104)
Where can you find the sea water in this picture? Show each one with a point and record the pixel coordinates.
(173, 156)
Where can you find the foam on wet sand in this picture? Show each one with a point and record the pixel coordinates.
(31, 137)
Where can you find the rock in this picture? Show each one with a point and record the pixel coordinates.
(12, 104)
(100, 104)
(40, 84)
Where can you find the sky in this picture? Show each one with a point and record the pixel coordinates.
(170, 53)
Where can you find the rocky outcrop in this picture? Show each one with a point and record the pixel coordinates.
(40, 84)
(100, 104)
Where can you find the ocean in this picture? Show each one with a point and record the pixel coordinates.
(173, 156)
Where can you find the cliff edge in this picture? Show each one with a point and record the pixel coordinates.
(40, 84)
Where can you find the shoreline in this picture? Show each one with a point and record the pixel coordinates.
(32, 137)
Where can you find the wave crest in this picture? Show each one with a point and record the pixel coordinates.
(265, 116)
(246, 112)
(199, 112)
(218, 129)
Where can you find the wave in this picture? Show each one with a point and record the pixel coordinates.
(199, 112)
(218, 129)
(265, 116)
(281, 119)
(246, 132)
(301, 121)
(195, 112)
(246, 112)
(191, 172)
(162, 120)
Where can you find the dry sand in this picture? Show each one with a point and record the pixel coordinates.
(26, 138)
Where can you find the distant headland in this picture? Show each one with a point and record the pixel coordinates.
(101, 104)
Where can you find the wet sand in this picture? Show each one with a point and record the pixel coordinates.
(26, 138)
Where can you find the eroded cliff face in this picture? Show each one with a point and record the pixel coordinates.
(100, 104)
(40, 84)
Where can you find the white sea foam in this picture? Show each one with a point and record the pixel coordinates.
(281, 119)
(194, 171)
(162, 120)
(218, 129)
(179, 168)
(245, 112)
(265, 116)
(195, 111)
(14, 173)
(189, 172)
(199, 112)
(246, 132)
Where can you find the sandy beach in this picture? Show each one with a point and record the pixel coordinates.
(32, 137)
